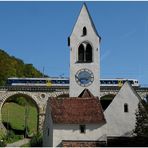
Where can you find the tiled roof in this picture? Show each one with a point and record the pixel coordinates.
(76, 110)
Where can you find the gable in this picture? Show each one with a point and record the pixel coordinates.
(120, 114)
(126, 95)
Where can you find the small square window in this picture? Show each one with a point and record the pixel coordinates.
(82, 128)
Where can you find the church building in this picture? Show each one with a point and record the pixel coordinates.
(80, 120)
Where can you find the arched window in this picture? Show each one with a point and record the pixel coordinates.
(84, 31)
(85, 53)
(88, 53)
(126, 108)
(81, 53)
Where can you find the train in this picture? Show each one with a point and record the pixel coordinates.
(63, 81)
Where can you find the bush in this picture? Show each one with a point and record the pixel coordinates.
(36, 140)
(2, 143)
(11, 137)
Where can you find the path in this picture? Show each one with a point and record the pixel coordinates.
(19, 143)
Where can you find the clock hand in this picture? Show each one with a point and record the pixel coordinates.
(77, 77)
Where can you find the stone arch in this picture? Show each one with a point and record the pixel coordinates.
(106, 100)
(26, 95)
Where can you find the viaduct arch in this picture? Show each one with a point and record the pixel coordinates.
(38, 98)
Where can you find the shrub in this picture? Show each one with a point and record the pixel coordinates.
(11, 137)
(36, 140)
(2, 143)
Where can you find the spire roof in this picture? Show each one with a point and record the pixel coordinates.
(85, 11)
(92, 23)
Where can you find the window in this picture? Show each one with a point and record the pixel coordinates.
(85, 53)
(84, 31)
(68, 41)
(48, 132)
(88, 53)
(126, 108)
(82, 129)
(81, 53)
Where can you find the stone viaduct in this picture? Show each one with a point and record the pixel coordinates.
(40, 95)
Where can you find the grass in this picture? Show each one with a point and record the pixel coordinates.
(2, 133)
(15, 115)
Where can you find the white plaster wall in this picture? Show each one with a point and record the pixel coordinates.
(72, 132)
(76, 39)
(120, 123)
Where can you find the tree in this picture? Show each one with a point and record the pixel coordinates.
(14, 67)
(141, 128)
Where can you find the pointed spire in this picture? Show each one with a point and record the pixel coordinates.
(85, 13)
(85, 6)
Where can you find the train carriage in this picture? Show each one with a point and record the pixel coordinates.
(58, 81)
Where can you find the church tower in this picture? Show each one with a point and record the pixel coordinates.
(84, 45)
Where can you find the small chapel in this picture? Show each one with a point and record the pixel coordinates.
(80, 119)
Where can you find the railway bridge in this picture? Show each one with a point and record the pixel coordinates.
(40, 95)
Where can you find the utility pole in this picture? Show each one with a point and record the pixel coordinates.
(8, 118)
(43, 71)
(26, 118)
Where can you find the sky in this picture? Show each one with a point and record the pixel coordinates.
(37, 32)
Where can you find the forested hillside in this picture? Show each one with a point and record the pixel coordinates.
(14, 67)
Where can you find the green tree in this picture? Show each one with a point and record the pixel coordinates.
(14, 67)
(141, 128)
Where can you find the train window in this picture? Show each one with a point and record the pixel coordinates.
(21, 81)
(53, 81)
(67, 82)
(31, 81)
(131, 82)
(115, 82)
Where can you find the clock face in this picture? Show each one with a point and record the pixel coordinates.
(84, 77)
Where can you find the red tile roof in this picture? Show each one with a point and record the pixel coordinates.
(76, 110)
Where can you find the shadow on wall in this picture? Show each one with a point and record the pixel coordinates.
(106, 100)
